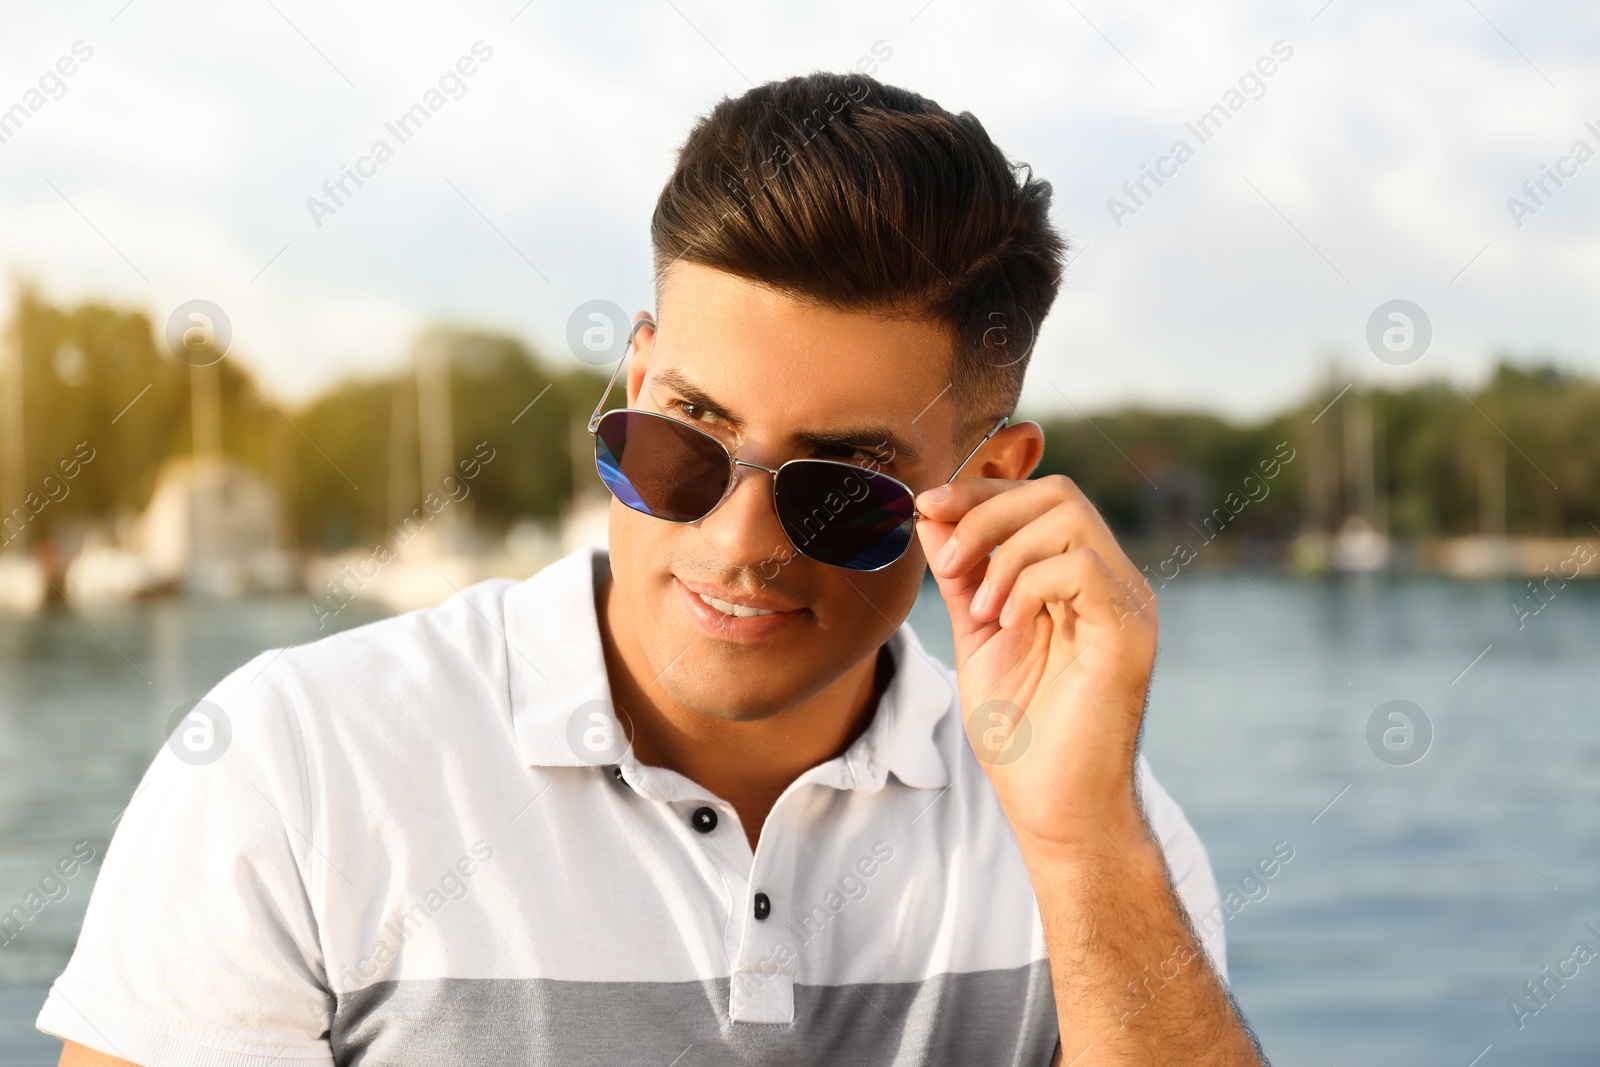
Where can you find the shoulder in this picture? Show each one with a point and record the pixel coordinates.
(432, 660)
(362, 710)
(465, 633)
(464, 654)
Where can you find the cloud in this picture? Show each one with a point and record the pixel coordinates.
(1383, 152)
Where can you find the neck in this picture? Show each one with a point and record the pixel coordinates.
(747, 763)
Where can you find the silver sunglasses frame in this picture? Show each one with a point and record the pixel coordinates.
(735, 463)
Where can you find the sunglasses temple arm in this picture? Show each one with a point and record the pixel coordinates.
(594, 420)
(997, 428)
(915, 515)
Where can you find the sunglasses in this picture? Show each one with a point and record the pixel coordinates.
(842, 514)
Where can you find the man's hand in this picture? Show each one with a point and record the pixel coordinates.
(1055, 639)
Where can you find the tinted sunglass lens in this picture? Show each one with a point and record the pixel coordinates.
(844, 515)
(660, 466)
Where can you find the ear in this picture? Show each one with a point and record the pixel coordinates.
(644, 343)
(1011, 454)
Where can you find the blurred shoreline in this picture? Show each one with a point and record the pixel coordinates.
(429, 566)
(129, 472)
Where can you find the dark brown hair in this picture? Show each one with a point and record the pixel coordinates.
(858, 195)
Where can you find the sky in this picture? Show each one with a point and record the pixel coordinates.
(1376, 162)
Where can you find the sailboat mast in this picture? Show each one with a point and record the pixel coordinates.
(12, 437)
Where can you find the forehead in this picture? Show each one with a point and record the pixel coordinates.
(773, 359)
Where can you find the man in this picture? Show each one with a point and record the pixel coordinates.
(703, 799)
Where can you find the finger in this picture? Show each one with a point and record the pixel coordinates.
(1080, 579)
(991, 518)
(1068, 524)
(950, 501)
(957, 590)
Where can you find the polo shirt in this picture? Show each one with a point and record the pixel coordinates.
(426, 841)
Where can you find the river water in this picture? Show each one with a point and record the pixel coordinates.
(1422, 893)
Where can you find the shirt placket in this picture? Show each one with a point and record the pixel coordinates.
(762, 939)
(761, 988)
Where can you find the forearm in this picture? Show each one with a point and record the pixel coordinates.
(1133, 984)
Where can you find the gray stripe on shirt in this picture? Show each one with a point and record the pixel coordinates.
(1003, 1018)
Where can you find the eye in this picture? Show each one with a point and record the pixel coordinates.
(689, 410)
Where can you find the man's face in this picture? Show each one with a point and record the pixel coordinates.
(773, 379)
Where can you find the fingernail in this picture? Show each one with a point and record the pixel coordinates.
(980, 599)
(937, 495)
(947, 555)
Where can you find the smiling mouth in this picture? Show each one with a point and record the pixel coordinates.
(738, 611)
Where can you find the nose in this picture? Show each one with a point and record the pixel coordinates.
(744, 528)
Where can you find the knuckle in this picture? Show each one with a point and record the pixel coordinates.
(976, 516)
(1084, 559)
(1026, 579)
(968, 532)
(1075, 512)
(1003, 565)
(1060, 485)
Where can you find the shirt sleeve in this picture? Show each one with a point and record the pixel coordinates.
(1189, 866)
(200, 945)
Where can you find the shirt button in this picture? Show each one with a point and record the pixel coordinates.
(763, 906)
(704, 820)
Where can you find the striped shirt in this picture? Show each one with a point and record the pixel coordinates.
(426, 841)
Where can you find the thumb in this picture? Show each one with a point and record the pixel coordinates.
(957, 590)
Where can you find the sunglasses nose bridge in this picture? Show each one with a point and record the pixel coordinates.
(737, 476)
(733, 483)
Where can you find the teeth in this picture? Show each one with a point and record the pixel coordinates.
(738, 611)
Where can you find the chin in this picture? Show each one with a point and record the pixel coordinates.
(735, 680)
(705, 695)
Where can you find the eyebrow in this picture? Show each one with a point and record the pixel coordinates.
(867, 438)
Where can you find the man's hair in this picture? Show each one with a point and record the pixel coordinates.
(839, 189)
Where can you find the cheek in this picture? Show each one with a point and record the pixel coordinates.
(625, 527)
(871, 605)
(641, 552)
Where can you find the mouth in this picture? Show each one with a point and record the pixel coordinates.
(738, 611)
(737, 615)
